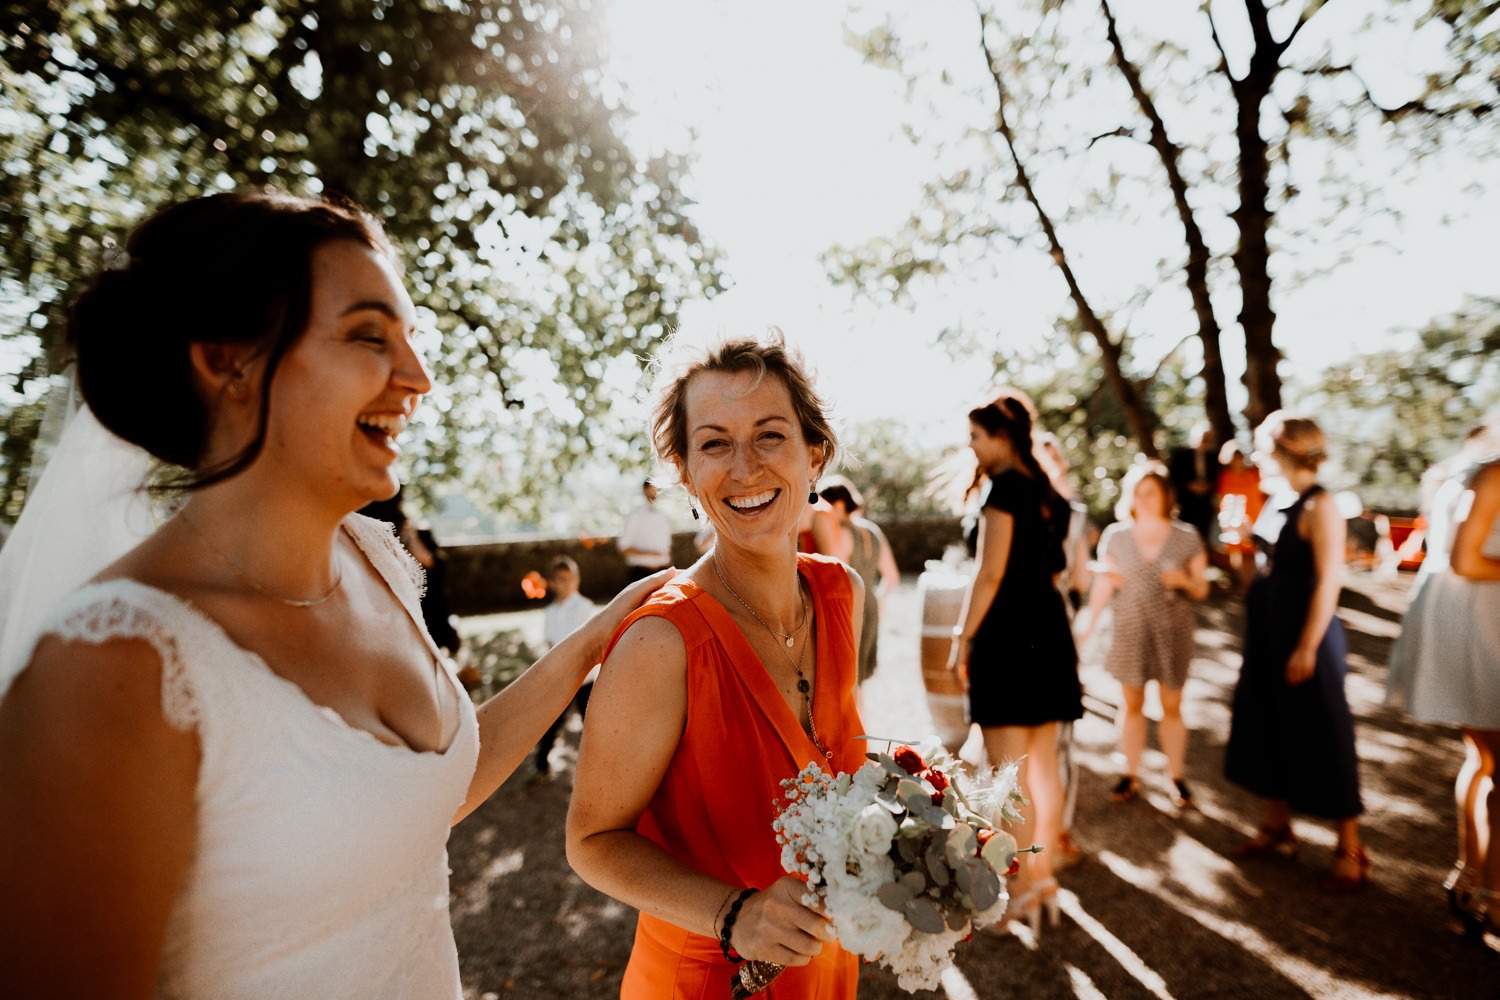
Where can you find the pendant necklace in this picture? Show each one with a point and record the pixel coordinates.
(803, 685)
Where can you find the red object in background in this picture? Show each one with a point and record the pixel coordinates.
(1407, 534)
(534, 586)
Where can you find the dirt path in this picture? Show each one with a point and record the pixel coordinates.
(1157, 909)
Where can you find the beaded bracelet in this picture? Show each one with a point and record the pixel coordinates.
(729, 918)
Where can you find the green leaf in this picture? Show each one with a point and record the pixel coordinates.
(937, 863)
(961, 844)
(895, 896)
(924, 915)
(984, 883)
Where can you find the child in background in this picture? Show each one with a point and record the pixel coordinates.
(568, 610)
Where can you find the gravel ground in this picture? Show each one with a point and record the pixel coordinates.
(1157, 908)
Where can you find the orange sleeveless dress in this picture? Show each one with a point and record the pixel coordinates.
(714, 807)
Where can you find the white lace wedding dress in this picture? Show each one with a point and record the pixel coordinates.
(320, 867)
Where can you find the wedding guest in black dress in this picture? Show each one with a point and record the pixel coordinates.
(1195, 479)
(1014, 645)
(1291, 738)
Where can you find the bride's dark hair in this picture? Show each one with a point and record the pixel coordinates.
(232, 268)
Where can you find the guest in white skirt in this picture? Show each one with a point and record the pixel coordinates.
(1445, 667)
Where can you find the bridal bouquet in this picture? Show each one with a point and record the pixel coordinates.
(901, 855)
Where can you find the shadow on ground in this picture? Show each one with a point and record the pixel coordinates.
(1158, 908)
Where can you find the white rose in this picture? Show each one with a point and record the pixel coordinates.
(872, 831)
(865, 926)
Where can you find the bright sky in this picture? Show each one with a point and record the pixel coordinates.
(799, 147)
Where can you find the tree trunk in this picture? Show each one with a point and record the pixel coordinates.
(1253, 218)
(1195, 270)
(1134, 407)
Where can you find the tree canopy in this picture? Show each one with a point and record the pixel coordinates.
(1393, 414)
(545, 255)
(1266, 134)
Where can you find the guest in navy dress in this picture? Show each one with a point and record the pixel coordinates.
(1291, 738)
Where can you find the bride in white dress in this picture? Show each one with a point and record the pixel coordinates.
(230, 762)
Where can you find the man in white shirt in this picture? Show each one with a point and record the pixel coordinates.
(646, 539)
(568, 610)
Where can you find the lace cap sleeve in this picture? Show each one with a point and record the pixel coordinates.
(123, 609)
(378, 540)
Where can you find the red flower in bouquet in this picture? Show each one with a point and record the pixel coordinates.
(909, 760)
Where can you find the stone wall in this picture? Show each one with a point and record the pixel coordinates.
(485, 576)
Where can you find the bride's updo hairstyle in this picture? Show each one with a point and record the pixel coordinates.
(233, 268)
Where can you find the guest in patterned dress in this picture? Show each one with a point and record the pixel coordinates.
(1153, 566)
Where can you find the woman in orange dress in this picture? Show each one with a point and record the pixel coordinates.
(1240, 503)
(735, 676)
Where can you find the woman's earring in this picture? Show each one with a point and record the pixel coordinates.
(693, 509)
(235, 389)
(812, 494)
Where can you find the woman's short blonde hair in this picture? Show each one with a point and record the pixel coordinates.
(1125, 506)
(1297, 440)
(766, 354)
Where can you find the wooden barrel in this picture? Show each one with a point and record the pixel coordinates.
(942, 589)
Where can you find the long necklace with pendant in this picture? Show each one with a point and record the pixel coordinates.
(803, 685)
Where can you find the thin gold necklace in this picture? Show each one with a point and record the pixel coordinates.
(791, 640)
(803, 685)
(250, 580)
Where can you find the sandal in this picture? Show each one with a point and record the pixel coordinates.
(1068, 853)
(1184, 798)
(1269, 840)
(1477, 917)
(1336, 881)
(1459, 885)
(1126, 789)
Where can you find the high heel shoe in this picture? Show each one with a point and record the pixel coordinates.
(1336, 881)
(1476, 916)
(1184, 798)
(1028, 908)
(1269, 840)
(1126, 789)
(1460, 885)
(1043, 903)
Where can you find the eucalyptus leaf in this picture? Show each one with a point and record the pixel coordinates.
(961, 844)
(915, 881)
(985, 884)
(895, 896)
(924, 915)
(963, 877)
(914, 794)
(937, 863)
(933, 816)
